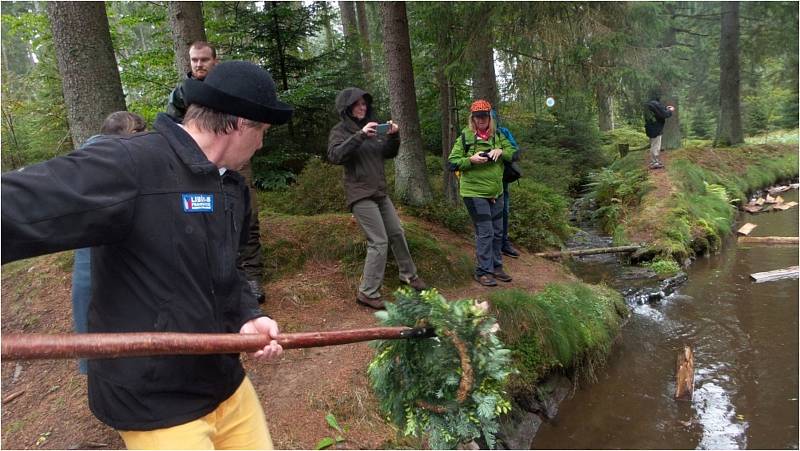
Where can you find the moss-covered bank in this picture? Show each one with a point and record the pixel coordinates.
(567, 328)
(685, 210)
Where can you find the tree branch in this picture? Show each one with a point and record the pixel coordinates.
(681, 30)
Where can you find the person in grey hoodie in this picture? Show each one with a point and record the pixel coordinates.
(361, 146)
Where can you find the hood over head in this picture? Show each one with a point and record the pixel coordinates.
(349, 96)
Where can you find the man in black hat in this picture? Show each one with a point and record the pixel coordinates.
(203, 58)
(165, 214)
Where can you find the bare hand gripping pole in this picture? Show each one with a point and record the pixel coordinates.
(108, 346)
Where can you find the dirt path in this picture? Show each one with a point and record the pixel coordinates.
(297, 391)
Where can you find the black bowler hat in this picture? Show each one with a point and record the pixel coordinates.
(239, 88)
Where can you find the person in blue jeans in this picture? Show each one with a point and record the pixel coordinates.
(119, 123)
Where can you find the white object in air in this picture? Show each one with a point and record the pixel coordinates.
(550, 101)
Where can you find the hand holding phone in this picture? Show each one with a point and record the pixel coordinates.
(383, 129)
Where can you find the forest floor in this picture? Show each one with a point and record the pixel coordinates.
(297, 391)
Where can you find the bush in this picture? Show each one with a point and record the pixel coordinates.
(538, 216)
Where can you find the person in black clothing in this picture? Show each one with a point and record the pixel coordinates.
(164, 212)
(655, 114)
(203, 58)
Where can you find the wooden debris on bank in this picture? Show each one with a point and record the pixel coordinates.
(779, 189)
(593, 251)
(13, 396)
(792, 272)
(768, 240)
(684, 375)
(785, 206)
(746, 229)
(752, 208)
(794, 185)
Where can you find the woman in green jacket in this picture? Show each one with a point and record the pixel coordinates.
(476, 155)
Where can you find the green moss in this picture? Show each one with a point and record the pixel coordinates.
(538, 216)
(663, 267)
(338, 237)
(566, 326)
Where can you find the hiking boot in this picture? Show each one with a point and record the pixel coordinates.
(656, 165)
(417, 283)
(486, 280)
(501, 275)
(509, 250)
(255, 287)
(376, 303)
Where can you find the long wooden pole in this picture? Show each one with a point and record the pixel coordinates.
(597, 250)
(768, 240)
(110, 345)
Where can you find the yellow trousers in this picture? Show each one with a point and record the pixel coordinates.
(237, 423)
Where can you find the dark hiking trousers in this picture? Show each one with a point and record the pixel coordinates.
(250, 253)
(487, 217)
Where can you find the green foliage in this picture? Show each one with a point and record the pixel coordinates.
(408, 374)
(564, 327)
(327, 442)
(295, 240)
(663, 267)
(616, 190)
(318, 189)
(538, 216)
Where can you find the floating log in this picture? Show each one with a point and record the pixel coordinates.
(746, 229)
(111, 345)
(792, 272)
(593, 251)
(684, 375)
(785, 206)
(768, 240)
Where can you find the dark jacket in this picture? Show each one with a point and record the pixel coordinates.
(362, 157)
(175, 105)
(655, 114)
(162, 261)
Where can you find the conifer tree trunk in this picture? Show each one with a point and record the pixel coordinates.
(411, 181)
(484, 79)
(350, 29)
(605, 109)
(671, 139)
(729, 128)
(447, 108)
(186, 24)
(88, 67)
(363, 30)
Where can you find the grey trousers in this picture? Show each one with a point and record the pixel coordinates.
(380, 223)
(250, 253)
(487, 217)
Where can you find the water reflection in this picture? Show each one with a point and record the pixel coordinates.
(745, 342)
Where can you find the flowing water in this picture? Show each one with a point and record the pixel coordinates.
(745, 341)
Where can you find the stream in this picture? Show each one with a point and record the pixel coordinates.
(745, 341)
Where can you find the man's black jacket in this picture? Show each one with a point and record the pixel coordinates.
(165, 228)
(655, 115)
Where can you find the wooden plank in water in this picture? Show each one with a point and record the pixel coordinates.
(779, 189)
(752, 208)
(593, 251)
(785, 206)
(768, 240)
(684, 375)
(792, 272)
(746, 229)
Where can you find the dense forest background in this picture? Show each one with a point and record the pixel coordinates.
(599, 60)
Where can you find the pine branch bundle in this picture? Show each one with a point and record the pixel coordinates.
(450, 388)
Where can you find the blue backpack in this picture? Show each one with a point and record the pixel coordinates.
(511, 171)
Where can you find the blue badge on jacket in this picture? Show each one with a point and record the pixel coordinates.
(197, 203)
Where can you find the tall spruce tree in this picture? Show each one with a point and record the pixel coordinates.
(729, 128)
(88, 67)
(411, 181)
(186, 24)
